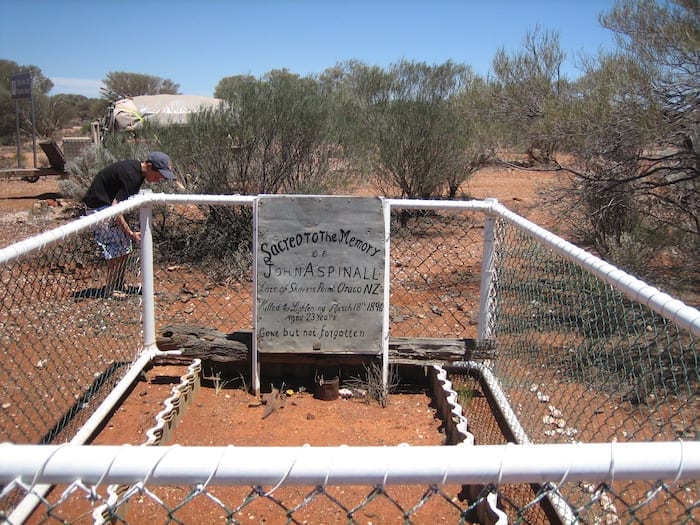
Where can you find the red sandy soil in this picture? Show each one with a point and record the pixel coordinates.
(233, 416)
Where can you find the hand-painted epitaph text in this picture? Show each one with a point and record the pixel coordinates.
(319, 274)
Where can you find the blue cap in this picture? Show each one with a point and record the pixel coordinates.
(161, 162)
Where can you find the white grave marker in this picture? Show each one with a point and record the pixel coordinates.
(319, 274)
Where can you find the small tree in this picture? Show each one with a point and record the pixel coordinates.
(269, 137)
(408, 126)
(231, 88)
(61, 111)
(527, 92)
(119, 84)
(633, 130)
(474, 110)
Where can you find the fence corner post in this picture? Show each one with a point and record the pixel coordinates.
(147, 289)
(487, 297)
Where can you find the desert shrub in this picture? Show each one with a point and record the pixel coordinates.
(216, 239)
(406, 126)
(373, 385)
(270, 137)
(83, 169)
(633, 250)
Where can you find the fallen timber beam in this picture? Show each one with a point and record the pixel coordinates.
(209, 344)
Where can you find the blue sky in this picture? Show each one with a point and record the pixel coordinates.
(196, 43)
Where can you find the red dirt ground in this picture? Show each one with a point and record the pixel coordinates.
(231, 416)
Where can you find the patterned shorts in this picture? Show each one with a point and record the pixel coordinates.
(112, 240)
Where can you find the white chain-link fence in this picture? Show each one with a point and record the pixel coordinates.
(585, 359)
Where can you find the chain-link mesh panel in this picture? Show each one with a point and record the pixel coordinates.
(580, 362)
(203, 266)
(203, 273)
(435, 273)
(65, 340)
(241, 505)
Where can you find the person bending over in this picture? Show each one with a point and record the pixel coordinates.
(113, 184)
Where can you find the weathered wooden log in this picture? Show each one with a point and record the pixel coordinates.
(202, 343)
(419, 349)
(209, 344)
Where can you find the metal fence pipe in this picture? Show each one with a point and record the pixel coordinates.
(147, 288)
(171, 198)
(488, 265)
(417, 204)
(54, 235)
(386, 212)
(399, 465)
(254, 363)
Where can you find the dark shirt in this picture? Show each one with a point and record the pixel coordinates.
(117, 181)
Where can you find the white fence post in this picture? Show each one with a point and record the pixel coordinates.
(254, 363)
(488, 264)
(147, 289)
(386, 211)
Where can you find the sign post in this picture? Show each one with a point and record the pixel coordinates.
(21, 88)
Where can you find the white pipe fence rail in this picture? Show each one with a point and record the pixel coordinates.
(400, 465)
(665, 460)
